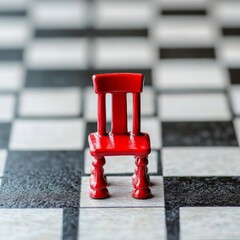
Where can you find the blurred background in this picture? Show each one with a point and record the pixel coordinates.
(77, 36)
(178, 45)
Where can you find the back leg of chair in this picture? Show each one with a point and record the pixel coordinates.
(140, 180)
(98, 181)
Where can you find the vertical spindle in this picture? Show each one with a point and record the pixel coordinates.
(136, 114)
(102, 113)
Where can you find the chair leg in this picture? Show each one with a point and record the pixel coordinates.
(140, 179)
(98, 182)
(135, 173)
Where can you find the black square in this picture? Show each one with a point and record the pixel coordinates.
(199, 134)
(197, 192)
(14, 13)
(42, 179)
(231, 31)
(91, 32)
(4, 134)
(57, 78)
(57, 33)
(11, 54)
(176, 53)
(234, 75)
(183, 12)
(201, 191)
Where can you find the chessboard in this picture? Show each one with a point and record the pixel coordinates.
(189, 52)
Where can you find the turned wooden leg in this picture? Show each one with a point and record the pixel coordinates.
(98, 182)
(93, 172)
(140, 179)
(135, 172)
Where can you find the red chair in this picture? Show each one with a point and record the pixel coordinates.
(119, 141)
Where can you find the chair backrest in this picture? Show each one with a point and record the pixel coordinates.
(118, 84)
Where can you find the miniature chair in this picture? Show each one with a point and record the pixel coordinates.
(119, 141)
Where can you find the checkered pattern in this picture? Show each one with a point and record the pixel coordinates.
(189, 52)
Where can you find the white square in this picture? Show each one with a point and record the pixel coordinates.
(229, 51)
(122, 14)
(3, 158)
(57, 53)
(235, 96)
(193, 107)
(28, 224)
(7, 107)
(50, 102)
(184, 32)
(207, 161)
(59, 14)
(120, 164)
(183, 4)
(47, 135)
(14, 32)
(11, 76)
(90, 113)
(122, 223)
(209, 223)
(237, 128)
(184, 74)
(227, 12)
(13, 5)
(120, 189)
(152, 126)
(123, 53)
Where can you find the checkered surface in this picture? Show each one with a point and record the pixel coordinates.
(189, 52)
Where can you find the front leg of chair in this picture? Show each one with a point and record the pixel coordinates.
(140, 179)
(98, 182)
(135, 173)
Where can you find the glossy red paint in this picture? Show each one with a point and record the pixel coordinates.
(119, 141)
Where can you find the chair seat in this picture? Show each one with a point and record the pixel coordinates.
(111, 145)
